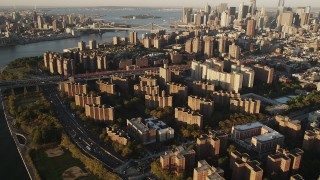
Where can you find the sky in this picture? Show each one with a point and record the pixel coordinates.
(154, 3)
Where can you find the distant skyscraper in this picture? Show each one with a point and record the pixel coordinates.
(224, 19)
(221, 7)
(222, 44)
(251, 27)
(93, 44)
(232, 11)
(207, 9)
(133, 37)
(40, 22)
(186, 15)
(253, 7)
(234, 51)
(281, 3)
(82, 45)
(243, 11)
(197, 18)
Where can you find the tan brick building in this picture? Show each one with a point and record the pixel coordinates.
(222, 98)
(157, 101)
(243, 168)
(284, 162)
(139, 130)
(263, 73)
(118, 135)
(287, 126)
(83, 99)
(148, 81)
(245, 105)
(211, 145)
(178, 160)
(202, 88)
(142, 62)
(121, 82)
(100, 112)
(257, 136)
(187, 116)
(311, 140)
(204, 172)
(177, 89)
(164, 74)
(205, 106)
(123, 63)
(106, 87)
(145, 90)
(74, 88)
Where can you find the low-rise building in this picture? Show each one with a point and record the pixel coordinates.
(149, 130)
(178, 160)
(204, 172)
(157, 101)
(99, 113)
(243, 168)
(117, 135)
(189, 117)
(314, 116)
(284, 162)
(287, 126)
(106, 87)
(211, 145)
(83, 99)
(311, 140)
(257, 136)
(245, 105)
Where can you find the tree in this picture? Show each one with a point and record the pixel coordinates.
(231, 148)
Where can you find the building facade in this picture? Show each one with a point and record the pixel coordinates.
(204, 172)
(74, 88)
(245, 105)
(83, 99)
(157, 101)
(189, 117)
(203, 105)
(106, 87)
(99, 113)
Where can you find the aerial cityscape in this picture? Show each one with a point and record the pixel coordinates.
(157, 90)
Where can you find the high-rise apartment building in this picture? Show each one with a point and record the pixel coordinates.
(92, 44)
(177, 89)
(243, 168)
(99, 113)
(211, 145)
(203, 105)
(202, 88)
(178, 160)
(243, 11)
(284, 162)
(165, 74)
(208, 46)
(121, 82)
(222, 98)
(234, 51)
(288, 127)
(311, 140)
(117, 135)
(157, 101)
(188, 46)
(84, 99)
(82, 46)
(188, 117)
(222, 44)
(74, 88)
(106, 87)
(204, 172)
(245, 106)
(227, 81)
(247, 73)
(263, 73)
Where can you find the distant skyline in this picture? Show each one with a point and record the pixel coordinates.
(153, 3)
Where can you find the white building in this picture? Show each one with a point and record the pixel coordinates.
(247, 72)
(313, 116)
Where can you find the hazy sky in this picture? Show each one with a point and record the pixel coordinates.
(164, 3)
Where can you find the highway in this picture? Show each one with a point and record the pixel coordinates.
(79, 135)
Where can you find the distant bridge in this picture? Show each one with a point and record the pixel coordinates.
(147, 27)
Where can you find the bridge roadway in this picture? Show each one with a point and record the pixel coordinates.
(96, 75)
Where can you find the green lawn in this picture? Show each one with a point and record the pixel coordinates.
(52, 168)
